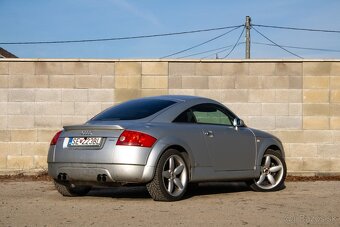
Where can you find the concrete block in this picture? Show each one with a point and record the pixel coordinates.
(261, 122)
(195, 82)
(74, 95)
(3, 108)
(19, 162)
(288, 122)
(88, 81)
(233, 95)
(328, 151)
(335, 122)
(316, 109)
(128, 68)
(317, 136)
(288, 69)
(295, 109)
(48, 95)
(131, 82)
(182, 69)
(3, 162)
(247, 109)
(316, 96)
(21, 95)
(290, 136)
(221, 82)
(235, 69)
(108, 82)
(335, 69)
(153, 92)
(335, 164)
(123, 94)
(160, 82)
(261, 95)
(21, 68)
(294, 164)
(273, 82)
(262, 69)
(335, 96)
(67, 108)
(24, 135)
(61, 81)
(3, 121)
(4, 81)
(315, 82)
(5, 135)
(208, 69)
(102, 68)
(316, 164)
(40, 161)
(336, 136)
(49, 68)
(101, 95)
(295, 82)
(155, 68)
(4, 68)
(251, 82)
(47, 121)
(48, 108)
(212, 94)
(31, 149)
(4, 148)
(288, 95)
(13, 108)
(334, 109)
(74, 120)
(87, 108)
(181, 91)
(27, 108)
(76, 68)
(3, 95)
(106, 105)
(176, 82)
(46, 135)
(20, 121)
(334, 82)
(275, 109)
(15, 148)
(316, 68)
(302, 150)
(315, 122)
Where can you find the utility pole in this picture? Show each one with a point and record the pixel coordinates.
(248, 19)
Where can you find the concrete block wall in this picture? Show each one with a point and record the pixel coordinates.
(299, 101)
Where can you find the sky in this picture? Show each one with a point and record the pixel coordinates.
(55, 20)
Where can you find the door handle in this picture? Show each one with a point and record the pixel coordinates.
(209, 133)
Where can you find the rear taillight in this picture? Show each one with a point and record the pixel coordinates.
(55, 138)
(133, 138)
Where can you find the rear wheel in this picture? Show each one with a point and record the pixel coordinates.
(67, 190)
(171, 177)
(273, 172)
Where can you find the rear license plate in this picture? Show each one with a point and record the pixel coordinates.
(85, 142)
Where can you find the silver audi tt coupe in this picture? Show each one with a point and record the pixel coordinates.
(166, 143)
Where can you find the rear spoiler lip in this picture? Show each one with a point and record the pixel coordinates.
(92, 127)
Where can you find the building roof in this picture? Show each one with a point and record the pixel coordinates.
(6, 54)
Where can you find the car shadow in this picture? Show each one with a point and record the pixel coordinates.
(141, 192)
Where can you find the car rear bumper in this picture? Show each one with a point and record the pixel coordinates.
(88, 172)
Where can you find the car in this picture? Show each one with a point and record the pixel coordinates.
(166, 143)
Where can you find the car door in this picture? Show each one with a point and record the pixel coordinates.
(230, 148)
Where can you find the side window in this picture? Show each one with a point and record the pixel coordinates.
(186, 117)
(211, 114)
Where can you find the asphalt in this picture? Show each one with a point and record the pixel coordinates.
(37, 203)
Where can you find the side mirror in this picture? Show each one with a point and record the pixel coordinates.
(237, 122)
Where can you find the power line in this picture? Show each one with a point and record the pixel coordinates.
(200, 44)
(276, 43)
(296, 47)
(222, 50)
(120, 38)
(294, 28)
(238, 40)
(203, 52)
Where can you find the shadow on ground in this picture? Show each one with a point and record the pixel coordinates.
(142, 193)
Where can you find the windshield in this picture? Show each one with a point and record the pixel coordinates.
(133, 110)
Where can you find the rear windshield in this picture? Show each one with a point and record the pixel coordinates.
(133, 110)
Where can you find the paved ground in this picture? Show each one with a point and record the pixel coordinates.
(301, 203)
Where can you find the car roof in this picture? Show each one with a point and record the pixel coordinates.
(176, 98)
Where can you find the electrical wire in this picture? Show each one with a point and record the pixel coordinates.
(238, 40)
(296, 47)
(207, 51)
(294, 28)
(120, 38)
(200, 44)
(216, 53)
(276, 43)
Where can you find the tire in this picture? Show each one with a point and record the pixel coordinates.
(273, 173)
(171, 177)
(66, 190)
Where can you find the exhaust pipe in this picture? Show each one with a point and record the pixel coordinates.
(62, 176)
(101, 177)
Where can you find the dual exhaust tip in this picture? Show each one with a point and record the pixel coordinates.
(62, 176)
(101, 177)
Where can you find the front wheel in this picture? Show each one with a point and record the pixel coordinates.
(171, 177)
(273, 172)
